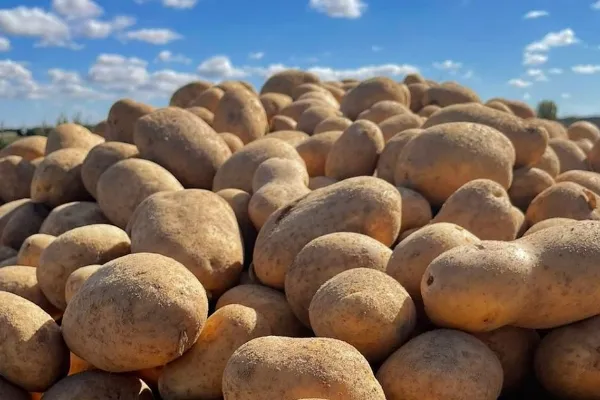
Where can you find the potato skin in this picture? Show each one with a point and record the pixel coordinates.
(30, 148)
(233, 142)
(383, 110)
(549, 223)
(527, 184)
(76, 280)
(290, 228)
(34, 355)
(121, 120)
(416, 211)
(71, 136)
(549, 162)
(171, 309)
(312, 117)
(99, 385)
(583, 130)
(17, 174)
(239, 200)
(185, 95)
(386, 164)
(564, 200)
(555, 129)
(314, 151)
(369, 92)
(11, 392)
(292, 137)
(22, 281)
(288, 368)
(203, 114)
(429, 110)
(587, 179)
(208, 99)
(72, 215)
(24, 221)
(282, 123)
(199, 372)
(273, 103)
(442, 364)
(318, 182)
(332, 124)
(519, 108)
(399, 123)
(570, 156)
(285, 82)
(241, 113)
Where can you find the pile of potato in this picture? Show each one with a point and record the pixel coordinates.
(317, 240)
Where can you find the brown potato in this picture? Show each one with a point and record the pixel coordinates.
(99, 385)
(307, 88)
(273, 103)
(318, 182)
(585, 145)
(383, 110)
(186, 94)
(417, 94)
(570, 156)
(285, 82)
(99, 128)
(24, 221)
(295, 109)
(233, 142)
(497, 105)
(22, 281)
(230, 85)
(313, 116)
(549, 223)
(282, 123)
(72, 215)
(7, 252)
(16, 173)
(326, 97)
(30, 148)
(549, 162)
(183, 144)
(102, 157)
(527, 184)
(123, 186)
(199, 372)
(203, 114)
(449, 93)
(564, 200)
(292, 137)
(12, 392)
(170, 310)
(386, 165)
(241, 113)
(332, 124)
(325, 257)
(416, 211)
(9, 262)
(290, 368)
(208, 99)
(122, 117)
(429, 110)
(34, 355)
(239, 201)
(519, 108)
(587, 179)
(399, 123)
(76, 280)
(442, 364)
(32, 248)
(555, 129)
(372, 91)
(314, 151)
(413, 78)
(584, 130)
(71, 136)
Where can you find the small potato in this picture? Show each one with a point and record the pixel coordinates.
(203, 114)
(57, 180)
(417, 94)
(325, 257)
(386, 165)
(72, 215)
(313, 116)
(16, 173)
(121, 120)
(399, 123)
(499, 106)
(24, 222)
(171, 309)
(239, 201)
(365, 308)
(99, 128)
(555, 129)
(241, 113)
(76, 280)
(9, 262)
(99, 385)
(7, 252)
(549, 162)
(230, 85)
(268, 302)
(123, 186)
(281, 171)
(327, 98)
(519, 108)
(87, 245)
(527, 184)
(564, 200)
(356, 151)
(290, 368)
(372, 91)
(30, 148)
(587, 179)
(442, 364)
(102, 157)
(314, 151)
(34, 355)
(12, 392)
(292, 137)
(413, 78)
(429, 110)
(449, 93)
(549, 223)
(185, 95)
(307, 88)
(416, 211)
(22, 281)
(208, 99)
(383, 110)
(570, 156)
(297, 108)
(273, 103)
(318, 182)
(32, 249)
(199, 372)
(332, 124)
(282, 123)
(286, 81)
(584, 130)
(585, 145)
(71, 136)
(233, 142)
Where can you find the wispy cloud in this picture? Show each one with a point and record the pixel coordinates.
(534, 14)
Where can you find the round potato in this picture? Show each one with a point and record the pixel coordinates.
(30, 148)
(16, 173)
(72, 215)
(555, 129)
(527, 184)
(313, 116)
(203, 114)
(233, 142)
(549, 223)
(208, 99)
(241, 113)
(273, 103)
(332, 124)
(324, 96)
(8, 210)
(307, 88)
(100, 128)
(11, 392)
(416, 211)
(121, 120)
(549, 162)
(449, 93)
(585, 145)
(318, 182)
(383, 110)
(292, 137)
(584, 130)
(297, 108)
(413, 78)
(24, 222)
(429, 110)
(570, 156)
(22, 281)
(399, 123)
(285, 82)
(386, 165)
(519, 108)
(564, 200)
(314, 151)
(282, 123)
(76, 280)
(499, 106)
(185, 95)
(71, 136)
(171, 309)
(239, 200)
(372, 91)
(99, 385)
(587, 179)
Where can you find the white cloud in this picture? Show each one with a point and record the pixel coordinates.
(596, 5)
(96, 29)
(519, 83)
(12, 70)
(376, 49)
(168, 57)
(587, 69)
(62, 76)
(166, 82)
(220, 67)
(73, 9)
(537, 74)
(350, 9)
(555, 71)
(534, 59)
(526, 96)
(16, 81)
(4, 44)
(256, 56)
(448, 65)
(536, 14)
(566, 95)
(35, 22)
(179, 3)
(365, 72)
(566, 37)
(153, 36)
(118, 72)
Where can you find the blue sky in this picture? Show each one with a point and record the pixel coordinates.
(81, 55)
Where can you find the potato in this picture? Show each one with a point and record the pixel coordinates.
(24, 221)
(549, 162)
(72, 215)
(233, 142)
(183, 144)
(383, 110)
(529, 283)
(292, 137)
(365, 308)
(9, 262)
(270, 198)
(203, 114)
(386, 165)
(515, 348)
(241, 113)
(78, 365)
(102, 157)
(290, 368)
(399, 123)
(327, 98)
(555, 129)
(17, 174)
(285, 82)
(416, 211)
(195, 227)
(417, 94)
(566, 361)
(76, 280)
(57, 180)
(371, 207)
(99, 128)
(587, 179)
(282, 123)
(122, 118)
(297, 108)
(313, 116)
(185, 95)
(281, 172)
(168, 308)
(314, 151)
(34, 355)
(230, 85)
(527, 184)
(87, 245)
(335, 88)
(499, 106)
(565, 200)
(123, 186)
(239, 200)
(584, 130)
(267, 302)
(549, 223)
(569, 155)
(199, 372)
(529, 141)
(238, 171)
(325, 257)
(356, 151)
(429, 110)
(208, 99)
(99, 385)
(413, 254)
(369, 92)
(442, 364)
(332, 124)
(585, 145)
(71, 136)
(413, 78)
(307, 88)
(7, 252)
(318, 182)
(449, 93)
(273, 103)
(519, 108)
(11, 392)
(444, 157)
(22, 281)
(8, 210)
(30, 148)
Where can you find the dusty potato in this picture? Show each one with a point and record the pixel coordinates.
(122, 118)
(444, 157)
(292, 137)
(208, 99)
(233, 142)
(170, 310)
(183, 144)
(519, 108)
(297, 108)
(442, 364)
(549, 162)
(585, 145)
(413, 78)
(32, 248)
(57, 180)
(383, 110)
(231, 85)
(314, 151)
(594, 158)
(199, 372)
(564, 200)
(16, 173)
(100, 158)
(24, 221)
(286, 81)
(399, 123)
(356, 151)
(87, 245)
(365, 308)
(34, 355)
(318, 182)
(124, 185)
(72, 215)
(583, 130)
(203, 114)
(22, 281)
(529, 141)
(30, 148)
(8, 210)
(196, 227)
(279, 171)
(386, 165)
(7, 252)
(372, 91)
(76, 280)
(429, 110)
(555, 129)
(497, 105)
(549, 223)
(570, 156)
(307, 88)
(66, 136)
(332, 124)
(273, 103)
(313, 116)
(527, 184)
(417, 94)
(282, 123)
(239, 200)
(325, 257)
(325, 96)
(449, 93)
(371, 207)
(413, 254)
(291, 368)
(185, 95)
(241, 113)
(99, 385)
(12, 392)
(416, 211)
(238, 171)
(587, 179)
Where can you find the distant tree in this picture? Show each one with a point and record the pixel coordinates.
(547, 109)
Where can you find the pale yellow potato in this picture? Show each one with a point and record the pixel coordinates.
(203, 114)
(273, 103)
(240, 112)
(297, 108)
(282, 123)
(383, 110)
(549, 162)
(76, 280)
(416, 211)
(286, 81)
(208, 99)
(185, 95)
(527, 184)
(30, 148)
(233, 142)
(583, 130)
(449, 93)
(292, 137)
(587, 179)
(429, 110)
(399, 123)
(22, 281)
(99, 385)
(314, 151)
(22, 222)
(386, 165)
(564, 200)
(72, 215)
(570, 156)
(371, 91)
(71, 136)
(318, 182)
(549, 223)
(313, 116)
(16, 173)
(332, 124)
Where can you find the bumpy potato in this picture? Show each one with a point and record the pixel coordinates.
(72, 215)
(121, 120)
(99, 385)
(292, 137)
(318, 182)
(69, 136)
(241, 113)
(314, 151)
(199, 372)
(372, 91)
(555, 129)
(16, 173)
(34, 355)
(333, 124)
(195, 227)
(527, 184)
(325, 257)
(290, 368)
(282, 123)
(449, 93)
(182, 143)
(102, 157)
(208, 99)
(273, 103)
(416, 211)
(12, 392)
(444, 157)
(24, 221)
(170, 310)
(583, 130)
(549, 162)
(383, 110)
(285, 82)
(386, 165)
(29, 148)
(549, 223)
(203, 114)
(76, 280)
(312, 117)
(399, 123)
(587, 179)
(233, 142)
(570, 156)
(442, 364)
(564, 200)
(22, 281)
(123, 186)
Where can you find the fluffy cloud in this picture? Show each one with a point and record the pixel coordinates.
(4, 44)
(77, 8)
(168, 57)
(95, 29)
(587, 69)
(566, 37)
(220, 67)
(118, 72)
(153, 36)
(596, 5)
(391, 70)
(555, 71)
(448, 65)
(256, 56)
(534, 59)
(35, 22)
(179, 3)
(519, 83)
(537, 74)
(536, 14)
(350, 9)
(16, 81)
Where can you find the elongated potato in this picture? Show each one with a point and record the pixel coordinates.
(307, 88)
(497, 105)
(282, 123)
(22, 281)
(203, 114)
(313, 116)
(185, 95)
(333, 124)
(570, 156)
(29, 148)
(527, 184)
(100, 385)
(273, 103)
(519, 108)
(208, 99)
(584, 130)
(71, 136)
(292, 137)
(383, 110)
(233, 142)
(386, 165)
(286, 81)
(121, 120)
(76, 280)
(72, 215)
(549, 162)
(587, 179)
(372, 91)
(549, 223)
(24, 221)
(564, 200)
(314, 151)
(241, 113)
(555, 129)
(399, 123)
(429, 110)
(417, 94)
(17, 174)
